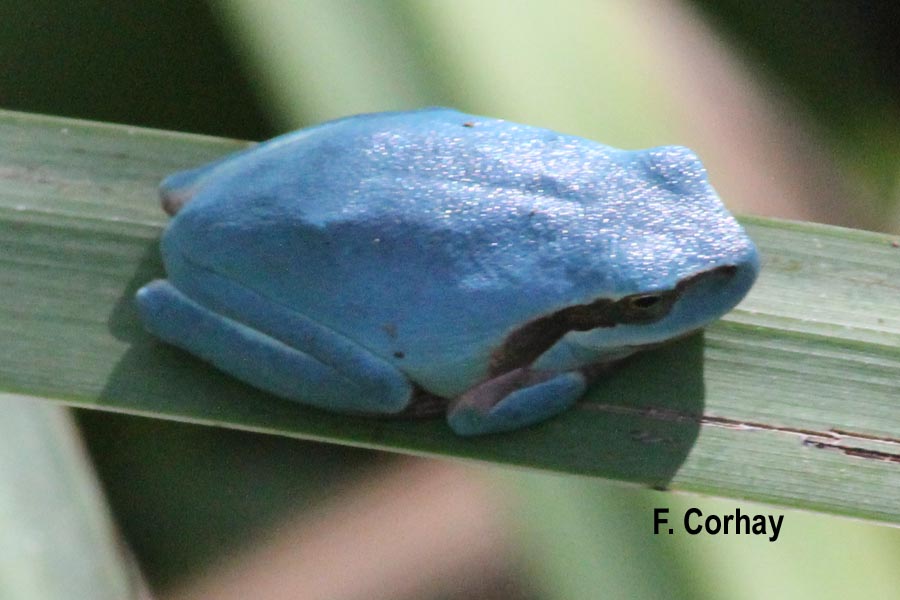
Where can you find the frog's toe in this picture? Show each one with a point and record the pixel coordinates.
(515, 399)
(177, 189)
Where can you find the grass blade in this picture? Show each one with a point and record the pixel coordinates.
(57, 538)
(791, 399)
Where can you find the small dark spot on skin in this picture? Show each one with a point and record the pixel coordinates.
(398, 354)
(468, 124)
(390, 329)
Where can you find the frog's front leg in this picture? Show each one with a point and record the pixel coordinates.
(520, 397)
(274, 349)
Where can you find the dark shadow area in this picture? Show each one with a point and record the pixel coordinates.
(840, 58)
(157, 63)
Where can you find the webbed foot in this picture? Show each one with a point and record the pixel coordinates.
(515, 399)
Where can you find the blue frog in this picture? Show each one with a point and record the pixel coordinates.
(412, 262)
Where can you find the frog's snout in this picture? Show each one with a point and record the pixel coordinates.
(710, 294)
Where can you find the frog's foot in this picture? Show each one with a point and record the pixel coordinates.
(515, 399)
(309, 363)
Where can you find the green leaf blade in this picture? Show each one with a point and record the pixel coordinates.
(791, 399)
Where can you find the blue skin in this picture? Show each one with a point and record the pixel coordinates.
(373, 264)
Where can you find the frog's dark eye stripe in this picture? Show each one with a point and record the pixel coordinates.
(524, 345)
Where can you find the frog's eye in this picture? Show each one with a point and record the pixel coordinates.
(644, 302)
(645, 308)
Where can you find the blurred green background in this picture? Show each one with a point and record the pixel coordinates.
(794, 107)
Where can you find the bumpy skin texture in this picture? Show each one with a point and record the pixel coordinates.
(356, 264)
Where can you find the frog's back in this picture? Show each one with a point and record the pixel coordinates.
(430, 235)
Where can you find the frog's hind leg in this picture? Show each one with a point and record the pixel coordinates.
(515, 399)
(309, 364)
